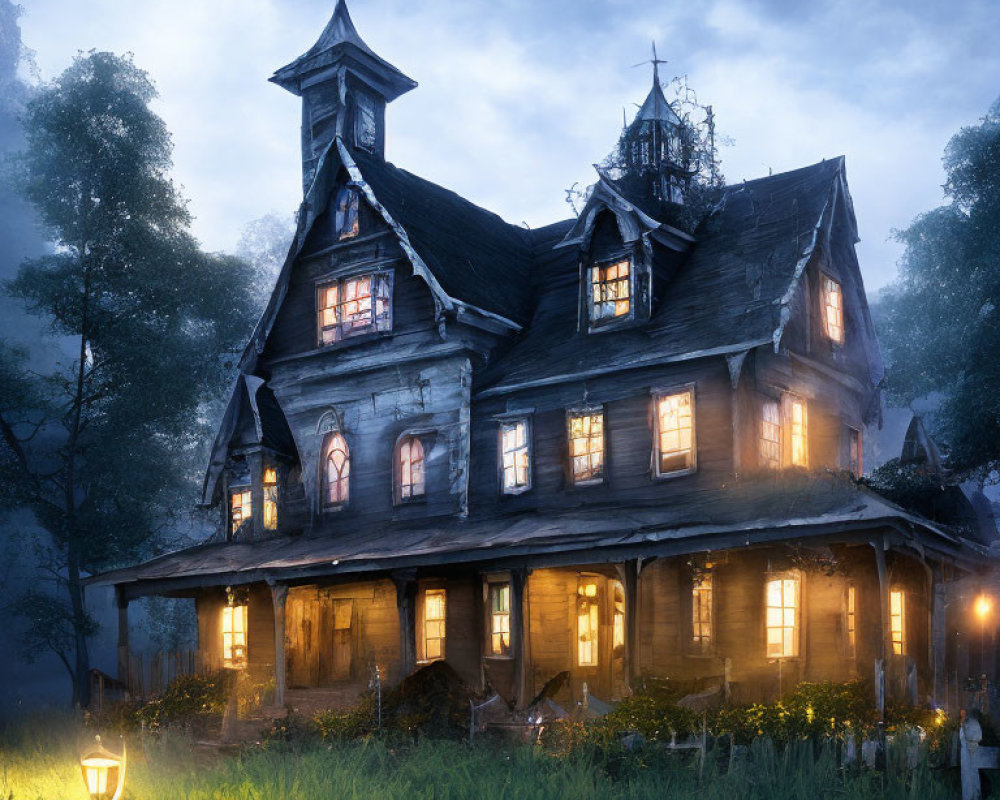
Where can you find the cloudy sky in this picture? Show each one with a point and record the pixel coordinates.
(518, 97)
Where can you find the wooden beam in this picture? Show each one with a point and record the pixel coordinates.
(629, 572)
(939, 637)
(519, 641)
(406, 607)
(279, 593)
(885, 640)
(123, 646)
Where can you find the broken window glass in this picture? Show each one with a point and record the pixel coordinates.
(356, 305)
(610, 290)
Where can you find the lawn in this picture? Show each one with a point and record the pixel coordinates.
(38, 762)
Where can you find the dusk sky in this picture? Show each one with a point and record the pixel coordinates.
(517, 99)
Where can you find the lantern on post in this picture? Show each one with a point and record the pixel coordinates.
(103, 772)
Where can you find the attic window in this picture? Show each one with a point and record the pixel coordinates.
(240, 508)
(346, 213)
(610, 290)
(833, 309)
(586, 446)
(270, 499)
(515, 456)
(409, 469)
(356, 305)
(365, 130)
(674, 422)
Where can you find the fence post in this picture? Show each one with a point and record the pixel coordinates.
(969, 735)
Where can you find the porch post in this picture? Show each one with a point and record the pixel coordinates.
(885, 640)
(406, 606)
(279, 593)
(519, 643)
(123, 648)
(939, 596)
(632, 572)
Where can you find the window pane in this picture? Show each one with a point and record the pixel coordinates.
(587, 446)
(514, 455)
(610, 290)
(675, 426)
(781, 617)
(770, 435)
(833, 309)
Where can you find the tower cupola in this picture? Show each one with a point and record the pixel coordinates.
(344, 88)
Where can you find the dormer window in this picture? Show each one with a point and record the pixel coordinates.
(346, 213)
(833, 310)
(270, 499)
(353, 306)
(240, 507)
(610, 291)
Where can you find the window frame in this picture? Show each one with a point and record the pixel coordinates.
(825, 307)
(902, 638)
(515, 490)
(593, 614)
(657, 396)
(269, 492)
(698, 646)
(577, 413)
(443, 619)
(851, 620)
(603, 323)
(229, 659)
(397, 469)
(325, 450)
(788, 400)
(787, 575)
(245, 493)
(376, 326)
(763, 461)
(493, 586)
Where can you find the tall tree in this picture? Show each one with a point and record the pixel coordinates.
(941, 328)
(101, 450)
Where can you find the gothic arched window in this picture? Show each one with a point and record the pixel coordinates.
(336, 468)
(409, 469)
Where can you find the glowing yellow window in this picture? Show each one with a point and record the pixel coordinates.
(434, 624)
(515, 456)
(618, 620)
(770, 435)
(587, 623)
(833, 309)
(675, 432)
(270, 499)
(352, 306)
(610, 290)
(240, 508)
(586, 446)
(410, 469)
(499, 619)
(782, 617)
(798, 431)
(701, 614)
(897, 621)
(234, 636)
(852, 624)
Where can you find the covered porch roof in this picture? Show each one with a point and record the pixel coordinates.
(820, 509)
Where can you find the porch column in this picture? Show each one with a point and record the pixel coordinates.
(519, 643)
(885, 640)
(123, 648)
(279, 593)
(406, 607)
(632, 571)
(939, 638)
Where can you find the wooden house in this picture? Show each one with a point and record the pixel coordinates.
(609, 446)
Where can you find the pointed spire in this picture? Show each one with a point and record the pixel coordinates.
(656, 108)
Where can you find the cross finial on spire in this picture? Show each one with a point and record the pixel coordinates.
(655, 61)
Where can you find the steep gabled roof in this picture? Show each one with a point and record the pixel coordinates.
(732, 294)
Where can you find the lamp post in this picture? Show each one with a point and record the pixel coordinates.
(103, 772)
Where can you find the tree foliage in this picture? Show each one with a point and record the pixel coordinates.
(102, 449)
(941, 329)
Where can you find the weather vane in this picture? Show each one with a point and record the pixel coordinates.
(654, 61)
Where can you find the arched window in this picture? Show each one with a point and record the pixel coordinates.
(336, 468)
(409, 469)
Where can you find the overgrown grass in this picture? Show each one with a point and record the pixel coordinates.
(38, 762)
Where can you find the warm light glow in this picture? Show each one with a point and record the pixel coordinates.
(586, 446)
(587, 622)
(897, 621)
(610, 288)
(770, 435)
(983, 606)
(833, 307)
(103, 773)
(782, 617)
(410, 468)
(434, 624)
(514, 446)
(270, 499)
(234, 636)
(500, 619)
(701, 613)
(675, 432)
(799, 432)
(852, 630)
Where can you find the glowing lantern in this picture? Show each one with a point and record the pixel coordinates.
(103, 772)
(983, 606)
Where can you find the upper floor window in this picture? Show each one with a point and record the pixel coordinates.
(515, 455)
(586, 446)
(270, 499)
(355, 305)
(409, 469)
(499, 619)
(770, 435)
(833, 309)
(610, 290)
(674, 421)
(345, 216)
(336, 471)
(782, 616)
(897, 621)
(240, 507)
(854, 463)
(798, 431)
(701, 614)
